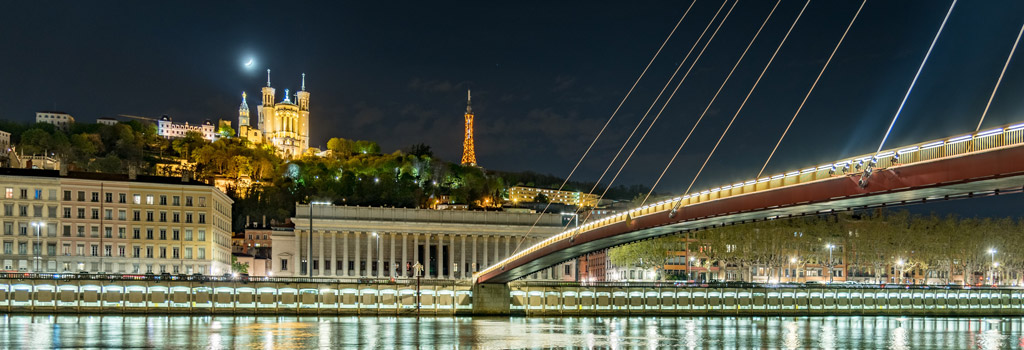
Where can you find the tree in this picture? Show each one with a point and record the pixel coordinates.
(540, 198)
(224, 129)
(649, 254)
(238, 267)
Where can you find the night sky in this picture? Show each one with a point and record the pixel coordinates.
(545, 75)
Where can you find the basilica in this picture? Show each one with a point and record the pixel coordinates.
(283, 124)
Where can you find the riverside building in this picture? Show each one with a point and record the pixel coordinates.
(55, 221)
(373, 242)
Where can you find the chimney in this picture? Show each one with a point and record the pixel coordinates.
(264, 221)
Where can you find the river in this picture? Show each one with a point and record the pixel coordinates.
(235, 332)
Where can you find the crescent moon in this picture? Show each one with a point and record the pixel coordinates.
(247, 64)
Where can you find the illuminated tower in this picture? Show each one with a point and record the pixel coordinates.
(267, 108)
(302, 98)
(468, 154)
(243, 113)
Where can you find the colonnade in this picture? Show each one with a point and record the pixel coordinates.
(394, 254)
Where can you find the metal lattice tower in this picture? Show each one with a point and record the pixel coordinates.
(468, 154)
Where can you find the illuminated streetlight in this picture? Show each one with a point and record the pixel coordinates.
(992, 272)
(899, 262)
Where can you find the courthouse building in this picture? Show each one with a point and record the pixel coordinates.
(373, 242)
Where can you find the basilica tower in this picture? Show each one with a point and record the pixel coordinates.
(267, 107)
(243, 113)
(468, 153)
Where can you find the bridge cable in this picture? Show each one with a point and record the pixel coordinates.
(603, 128)
(815, 84)
(916, 75)
(1000, 80)
(655, 103)
(742, 104)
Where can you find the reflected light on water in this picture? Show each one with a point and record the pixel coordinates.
(293, 332)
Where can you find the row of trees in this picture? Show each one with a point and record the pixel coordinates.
(870, 244)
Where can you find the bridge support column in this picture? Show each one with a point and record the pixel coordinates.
(491, 299)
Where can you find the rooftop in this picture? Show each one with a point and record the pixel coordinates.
(99, 176)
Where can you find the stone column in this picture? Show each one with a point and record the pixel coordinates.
(440, 257)
(508, 246)
(405, 255)
(344, 254)
(415, 252)
(334, 253)
(464, 270)
(484, 264)
(370, 251)
(475, 263)
(355, 244)
(391, 262)
(497, 246)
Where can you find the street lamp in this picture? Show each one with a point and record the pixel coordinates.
(37, 250)
(830, 247)
(377, 249)
(899, 263)
(792, 263)
(991, 269)
(689, 268)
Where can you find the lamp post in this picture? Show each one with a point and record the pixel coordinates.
(689, 268)
(418, 270)
(376, 252)
(830, 247)
(899, 263)
(37, 250)
(991, 269)
(792, 264)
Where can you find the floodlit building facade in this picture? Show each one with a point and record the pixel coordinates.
(61, 120)
(523, 194)
(171, 130)
(283, 124)
(109, 223)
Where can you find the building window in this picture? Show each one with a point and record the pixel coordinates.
(202, 202)
(188, 201)
(81, 196)
(174, 254)
(136, 250)
(149, 216)
(9, 209)
(135, 215)
(163, 234)
(284, 264)
(67, 212)
(95, 250)
(137, 199)
(176, 217)
(176, 200)
(149, 199)
(120, 232)
(107, 251)
(202, 253)
(149, 253)
(81, 213)
(67, 195)
(121, 197)
(188, 234)
(95, 214)
(201, 236)
(23, 210)
(174, 235)
(188, 218)
(108, 232)
(202, 218)
(122, 214)
(9, 193)
(108, 197)
(163, 253)
(149, 233)
(136, 233)
(96, 197)
(163, 216)
(163, 199)
(108, 214)
(188, 253)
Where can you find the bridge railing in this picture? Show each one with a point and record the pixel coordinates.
(223, 278)
(997, 137)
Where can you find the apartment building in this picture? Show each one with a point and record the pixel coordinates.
(110, 223)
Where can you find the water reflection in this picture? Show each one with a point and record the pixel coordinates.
(224, 332)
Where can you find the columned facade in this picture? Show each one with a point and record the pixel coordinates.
(364, 242)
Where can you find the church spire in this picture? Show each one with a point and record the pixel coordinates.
(268, 77)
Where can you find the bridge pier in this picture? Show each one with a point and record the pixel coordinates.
(491, 299)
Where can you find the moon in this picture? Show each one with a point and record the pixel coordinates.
(248, 64)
